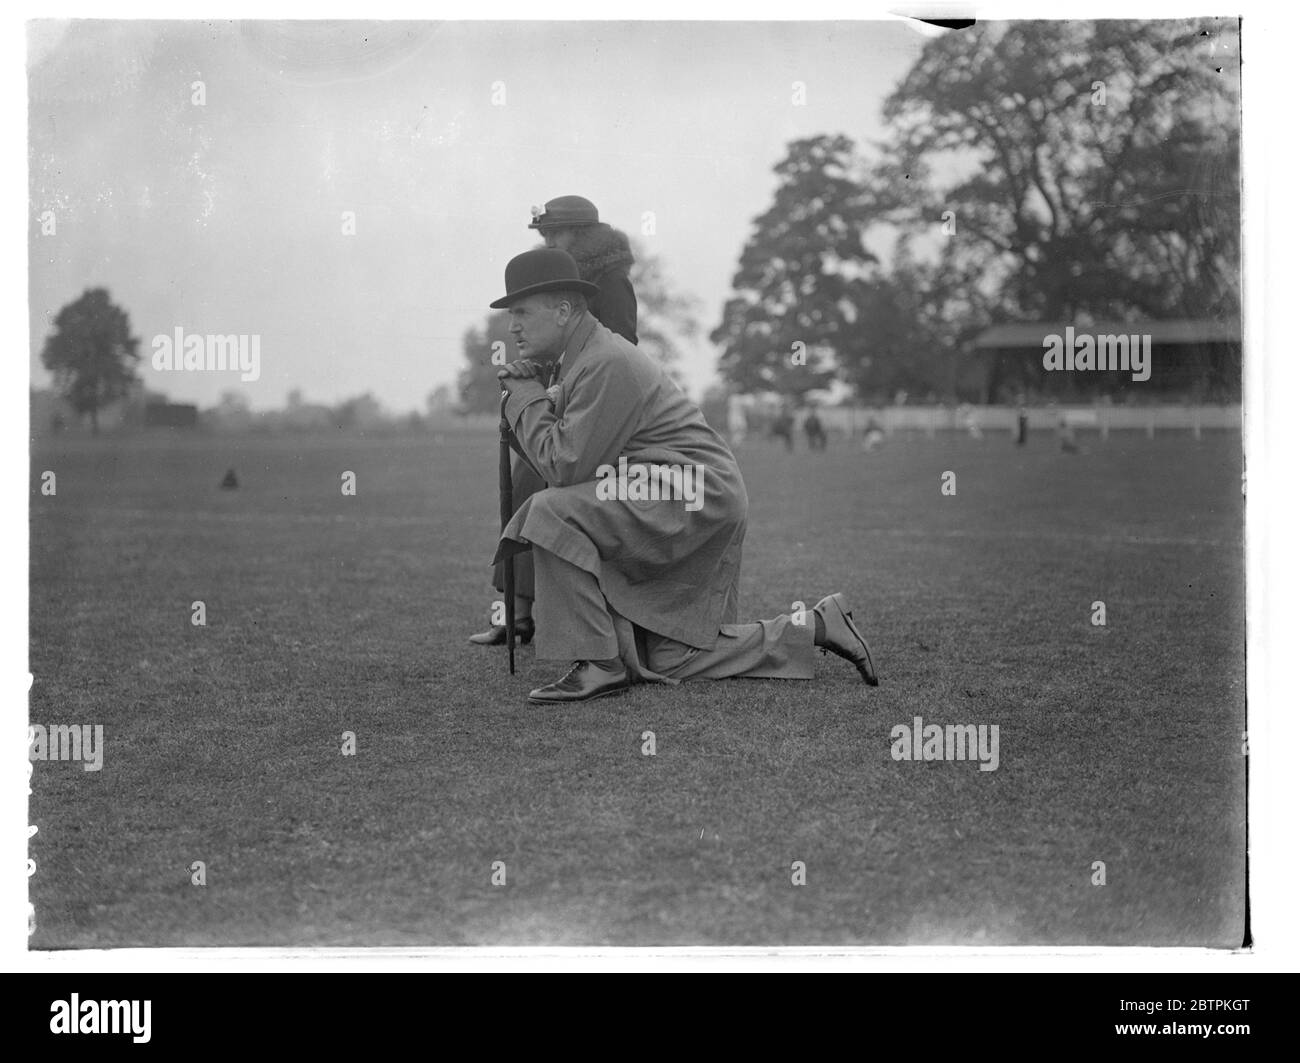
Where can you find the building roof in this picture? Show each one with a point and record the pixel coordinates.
(1031, 334)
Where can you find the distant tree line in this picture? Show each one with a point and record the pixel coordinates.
(94, 361)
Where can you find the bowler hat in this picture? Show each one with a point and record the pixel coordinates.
(544, 269)
(563, 212)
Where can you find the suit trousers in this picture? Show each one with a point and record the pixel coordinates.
(574, 624)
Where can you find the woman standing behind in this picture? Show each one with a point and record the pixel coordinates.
(603, 254)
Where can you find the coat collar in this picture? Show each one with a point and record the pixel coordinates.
(577, 343)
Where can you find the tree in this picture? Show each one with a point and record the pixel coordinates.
(664, 316)
(897, 348)
(361, 412)
(477, 384)
(918, 317)
(1089, 167)
(438, 402)
(800, 276)
(92, 354)
(232, 413)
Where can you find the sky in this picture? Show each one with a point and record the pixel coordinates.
(227, 216)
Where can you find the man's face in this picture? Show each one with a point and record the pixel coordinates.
(562, 238)
(538, 329)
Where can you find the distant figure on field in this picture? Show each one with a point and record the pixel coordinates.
(737, 424)
(814, 430)
(873, 435)
(783, 427)
(1065, 433)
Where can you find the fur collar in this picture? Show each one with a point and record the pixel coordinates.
(598, 249)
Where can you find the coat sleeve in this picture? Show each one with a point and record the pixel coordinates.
(617, 302)
(602, 413)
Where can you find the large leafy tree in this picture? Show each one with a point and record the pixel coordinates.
(1088, 166)
(919, 316)
(91, 353)
(914, 319)
(477, 385)
(801, 274)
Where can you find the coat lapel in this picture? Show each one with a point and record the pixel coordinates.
(573, 354)
(577, 344)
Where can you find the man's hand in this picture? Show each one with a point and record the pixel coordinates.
(522, 369)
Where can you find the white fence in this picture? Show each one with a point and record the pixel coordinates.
(1101, 419)
(929, 420)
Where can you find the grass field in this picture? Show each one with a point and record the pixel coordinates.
(327, 613)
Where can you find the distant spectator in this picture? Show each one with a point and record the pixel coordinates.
(813, 429)
(783, 427)
(737, 423)
(1065, 434)
(873, 435)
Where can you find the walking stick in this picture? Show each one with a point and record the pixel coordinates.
(506, 487)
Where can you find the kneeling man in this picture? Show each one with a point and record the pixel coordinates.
(637, 542)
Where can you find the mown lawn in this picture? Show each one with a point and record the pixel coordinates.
(326, 614)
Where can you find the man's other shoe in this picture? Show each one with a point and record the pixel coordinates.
(496, 634)
(843, 638)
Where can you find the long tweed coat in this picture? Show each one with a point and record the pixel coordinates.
(670, 570)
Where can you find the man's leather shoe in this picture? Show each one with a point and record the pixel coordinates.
(843, 638)
(496, 634)
(584, 681)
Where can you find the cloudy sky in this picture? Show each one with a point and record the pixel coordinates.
(227, 217)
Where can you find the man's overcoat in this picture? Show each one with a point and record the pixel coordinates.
(668, 569)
